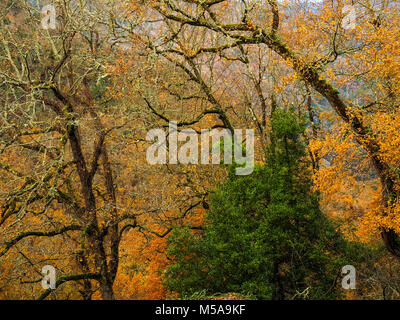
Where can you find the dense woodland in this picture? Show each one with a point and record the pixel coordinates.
(76, 189)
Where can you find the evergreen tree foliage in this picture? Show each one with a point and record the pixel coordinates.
(264, 235)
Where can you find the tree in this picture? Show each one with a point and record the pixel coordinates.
(75, 192)
(58, 175)
(76, 103)
(317, 49)
(265, 234)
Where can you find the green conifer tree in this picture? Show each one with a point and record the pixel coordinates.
(264, 235)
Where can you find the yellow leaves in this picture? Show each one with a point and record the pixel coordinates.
(251, 25)
(387, 125)
(379, 217)
(343, 195)
(144, 281)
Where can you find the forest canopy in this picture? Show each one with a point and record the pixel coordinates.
(83, 83)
